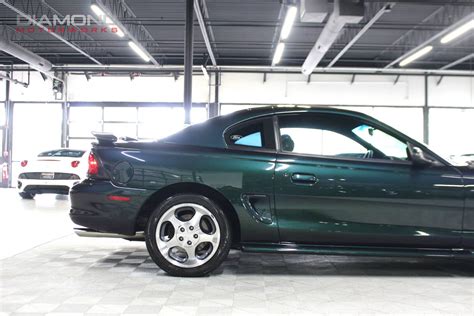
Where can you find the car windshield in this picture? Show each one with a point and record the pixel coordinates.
(63, 153)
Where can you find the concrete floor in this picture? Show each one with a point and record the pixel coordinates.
(45, 269)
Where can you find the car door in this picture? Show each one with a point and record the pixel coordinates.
(340, 180)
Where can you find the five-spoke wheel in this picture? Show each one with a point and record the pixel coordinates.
(188, 235)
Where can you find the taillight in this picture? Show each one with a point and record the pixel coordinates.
(93, 165)
(75, 163)
(24, 163)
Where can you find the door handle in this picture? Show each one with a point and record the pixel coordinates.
(304, 178)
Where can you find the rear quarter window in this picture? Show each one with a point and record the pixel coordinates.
(252, 134)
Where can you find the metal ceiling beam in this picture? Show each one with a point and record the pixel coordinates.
(385, 8)
(202, 25)
(35, 61)
(336, 22)
(257, 69)
(209, 23)
(457, 62)
(28, 16)
(136, 32)
(414, 39)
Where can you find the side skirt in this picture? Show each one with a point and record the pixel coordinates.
(355, 250)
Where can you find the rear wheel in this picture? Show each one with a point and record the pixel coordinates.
(27, 196)
(188, 235)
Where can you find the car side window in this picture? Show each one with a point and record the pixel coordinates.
(320, 142)
(335, 135)
(253, 134)
(390, 146)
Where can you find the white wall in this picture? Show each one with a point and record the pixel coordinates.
(140, 89)
(322, 90)
(451, 91)
(38, 90)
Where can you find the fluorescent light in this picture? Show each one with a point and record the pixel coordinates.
(98, 11)
(416, 55)
(288, 23)
(103, 17)
(139, 51)
(458, 32)
(278, 53)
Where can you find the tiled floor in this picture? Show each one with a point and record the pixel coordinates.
(71, 275)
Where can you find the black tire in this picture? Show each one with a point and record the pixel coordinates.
(214, 262)
(27, 195)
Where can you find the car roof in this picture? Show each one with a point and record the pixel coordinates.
(210, 133)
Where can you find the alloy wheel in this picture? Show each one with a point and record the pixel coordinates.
(188, 235)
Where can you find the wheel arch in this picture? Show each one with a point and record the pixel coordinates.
(189, 187)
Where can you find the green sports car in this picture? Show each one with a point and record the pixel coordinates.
(276, 179)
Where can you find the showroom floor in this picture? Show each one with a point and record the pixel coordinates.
(45, 269)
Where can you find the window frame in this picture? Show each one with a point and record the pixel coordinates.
(408, 162)
(269, 134)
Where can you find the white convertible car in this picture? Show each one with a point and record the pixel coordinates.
(54, 171)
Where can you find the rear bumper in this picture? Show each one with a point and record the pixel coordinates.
(36, 186)
(91, 207)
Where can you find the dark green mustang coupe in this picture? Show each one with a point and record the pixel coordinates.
(276, 179)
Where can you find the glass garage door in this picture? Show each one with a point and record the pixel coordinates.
(36, 127)
(451, 131)
(2, 127)
(145, 122)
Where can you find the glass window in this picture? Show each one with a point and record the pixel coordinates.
(319, 142)
(62, 153)
(1, 141)
(390, 146)
(120, 114)
(81, 143)
(248, 134)
(84, 129)
(36, 128)
(3, 118)
(449, 131)
(337, 136)
(85, 114)
(121, 129)
(160, 122)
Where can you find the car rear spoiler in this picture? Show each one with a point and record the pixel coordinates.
(109, 139)
(105, 139)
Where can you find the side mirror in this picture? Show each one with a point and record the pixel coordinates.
(418, 157)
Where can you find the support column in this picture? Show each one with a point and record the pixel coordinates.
(188, 61)
(9, 129)
(214, 107)
(65, 125)
(426, 115)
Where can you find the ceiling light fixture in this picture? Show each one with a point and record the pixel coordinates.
(416, 55)
(458, 32)
(137, 50)
(278, 53)
(104, 18)
(288, 23)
